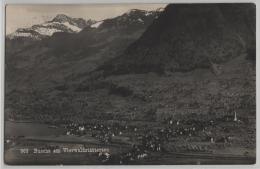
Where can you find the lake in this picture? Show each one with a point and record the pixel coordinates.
(30, 129)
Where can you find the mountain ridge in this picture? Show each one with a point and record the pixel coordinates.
(84, 50)
(60, 23)
(188, 36)
(64, 23)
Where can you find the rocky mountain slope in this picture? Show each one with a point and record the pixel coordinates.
(131, 19)
(189, 36)
(68, 54)
(183, 63)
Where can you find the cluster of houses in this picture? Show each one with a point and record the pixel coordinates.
(137, 152)
(102, 132)
(151, 140)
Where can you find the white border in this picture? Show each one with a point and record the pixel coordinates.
(2, 37)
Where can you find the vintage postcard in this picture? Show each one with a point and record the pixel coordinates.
(130, 84)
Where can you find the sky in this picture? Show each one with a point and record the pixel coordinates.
(22, 16)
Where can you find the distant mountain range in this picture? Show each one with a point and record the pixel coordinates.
(33, 53)
(60, 23)
(64, 23)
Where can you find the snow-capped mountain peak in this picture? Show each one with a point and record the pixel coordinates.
(61, 18)
(64, 23)
(97, 24)
(60, 23)
(132, 18)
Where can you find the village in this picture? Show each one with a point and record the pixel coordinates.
(136, 141)
(201, 136)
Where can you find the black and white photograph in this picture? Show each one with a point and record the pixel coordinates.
(130, 84)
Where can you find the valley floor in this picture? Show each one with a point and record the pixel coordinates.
(126, 144)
